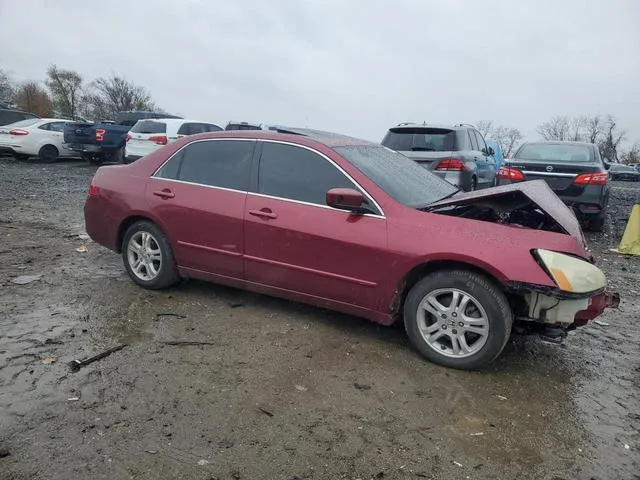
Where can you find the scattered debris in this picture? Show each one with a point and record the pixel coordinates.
(26, 279)
(73, 399)
(458, 464)
(169, 314)
(301, 388)
(186, 343)
(501, 397)
(83, 236)
(627, 447)
(49, 360)
(236, 304)
(82, 249)
(265, 411)
(4, 452)
(203, 462)
(76, 365)
(152, 452)
(361, 386)
(601, 323)
(477, 434)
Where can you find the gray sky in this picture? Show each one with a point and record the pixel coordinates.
(355, 67)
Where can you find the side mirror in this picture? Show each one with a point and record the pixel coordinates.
(346, 199)
(607, 165)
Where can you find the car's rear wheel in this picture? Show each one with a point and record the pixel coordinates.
(148, 257)
(474, 184)
(48, 154)
(458, 319)
(597, 223)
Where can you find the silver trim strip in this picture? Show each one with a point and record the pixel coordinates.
(356, 184)
(549, 174)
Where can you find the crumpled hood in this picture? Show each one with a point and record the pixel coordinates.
(537, 191)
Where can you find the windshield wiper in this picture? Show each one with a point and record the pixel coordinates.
(422, 207)
(422, 149)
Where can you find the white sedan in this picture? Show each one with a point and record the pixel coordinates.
(41, 137)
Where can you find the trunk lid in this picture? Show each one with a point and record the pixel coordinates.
(558, 175)
(81, 133)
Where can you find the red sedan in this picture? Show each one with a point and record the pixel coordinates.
(351, 226)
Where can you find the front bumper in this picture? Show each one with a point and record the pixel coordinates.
(598, 305)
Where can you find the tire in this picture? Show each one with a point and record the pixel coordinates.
(598, 223)
(474, 184)
(486, 311)
(48, 154)
(158, 269)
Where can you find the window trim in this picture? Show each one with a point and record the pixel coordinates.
(255, 161)
(335, 165)
(473, 141)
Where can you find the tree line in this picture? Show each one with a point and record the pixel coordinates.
(601, 130)
(66, 94)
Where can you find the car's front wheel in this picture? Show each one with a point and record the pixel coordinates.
(458, 319)
(148, 257)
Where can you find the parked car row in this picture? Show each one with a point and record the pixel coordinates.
(357, 227)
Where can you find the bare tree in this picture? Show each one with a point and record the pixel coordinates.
(593, 128)
(558, 128)
(632, 155)
(66, 90)
(109, 96)
(611, 140)
(577, 127)
(7, 87)
(31, 97)
(485, 127)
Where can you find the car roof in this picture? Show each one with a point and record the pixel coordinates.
(303, 136)
(410, 125)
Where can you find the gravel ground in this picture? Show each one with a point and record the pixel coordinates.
(277, 390)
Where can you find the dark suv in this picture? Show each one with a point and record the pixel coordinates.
(574, 171)
(10, 115)
(457, 154)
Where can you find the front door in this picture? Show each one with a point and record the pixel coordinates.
(199, 197)
(295, 242)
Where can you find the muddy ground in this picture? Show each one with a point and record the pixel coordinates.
(280, 390)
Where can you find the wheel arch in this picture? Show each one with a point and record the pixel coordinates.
(427, 267)
(130, 220)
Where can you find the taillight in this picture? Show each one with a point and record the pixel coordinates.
(592, 179)
(100, 134)
(507, 173)
(127, 137)
(93, 190)
(158, 139)
(18, 131)
(454, 164)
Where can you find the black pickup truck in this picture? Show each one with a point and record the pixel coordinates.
(104, 142)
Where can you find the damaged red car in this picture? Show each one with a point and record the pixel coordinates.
(355, 227)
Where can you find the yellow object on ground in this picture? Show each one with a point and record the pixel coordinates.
(630, 243)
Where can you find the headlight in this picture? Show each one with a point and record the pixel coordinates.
(572, 274)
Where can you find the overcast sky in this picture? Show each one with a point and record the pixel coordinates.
(355, 67)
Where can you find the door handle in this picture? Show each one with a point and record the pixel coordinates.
(264, 213)
(164, 193)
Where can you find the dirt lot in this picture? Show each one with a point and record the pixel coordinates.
(278, 390)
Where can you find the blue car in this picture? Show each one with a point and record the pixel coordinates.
(497, 153)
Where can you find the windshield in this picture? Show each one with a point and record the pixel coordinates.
(420, 139)
(555, 152)
(400, 177)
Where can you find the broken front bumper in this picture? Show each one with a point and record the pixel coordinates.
(597, 307)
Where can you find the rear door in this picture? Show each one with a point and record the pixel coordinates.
(199, 198)
(425, 145)
(295, 242)
(51, 133)
(146, 136)
(484, 162)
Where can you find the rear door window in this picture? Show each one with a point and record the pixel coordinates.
(480, 140)
(53, 126)
(217, 163)
(472, 139)
(296, 173)
(420, 139)
(149, 127)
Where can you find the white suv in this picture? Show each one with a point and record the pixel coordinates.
(148, 135)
